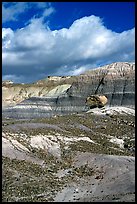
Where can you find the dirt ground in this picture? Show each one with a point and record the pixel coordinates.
(85, 157)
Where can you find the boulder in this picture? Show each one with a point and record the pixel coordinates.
(96, 100)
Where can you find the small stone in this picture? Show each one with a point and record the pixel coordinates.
(76, 190)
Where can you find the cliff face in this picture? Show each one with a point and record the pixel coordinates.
(68, 94)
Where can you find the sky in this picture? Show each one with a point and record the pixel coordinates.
(64, 38)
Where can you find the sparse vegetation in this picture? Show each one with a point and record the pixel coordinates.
(24, 181)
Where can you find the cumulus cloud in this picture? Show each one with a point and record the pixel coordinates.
(36, 51)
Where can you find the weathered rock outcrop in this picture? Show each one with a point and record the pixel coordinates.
(67, 95)
(96, 100)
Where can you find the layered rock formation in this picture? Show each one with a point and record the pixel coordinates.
(68, 94)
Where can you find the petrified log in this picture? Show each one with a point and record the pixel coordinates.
(96, 100)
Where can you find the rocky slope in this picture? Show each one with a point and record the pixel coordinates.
(68, 94)
(77, 157)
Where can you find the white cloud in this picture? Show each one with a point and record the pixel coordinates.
(12, 11)
(48, 11)
(78, 71)
(7, 35)
(41, 4)
(36, 51)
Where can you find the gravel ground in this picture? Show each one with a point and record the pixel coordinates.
(114, 180)
(96, 160)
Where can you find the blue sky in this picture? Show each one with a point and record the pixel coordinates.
(64, 38)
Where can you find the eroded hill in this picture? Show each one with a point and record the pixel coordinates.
(68, 94)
